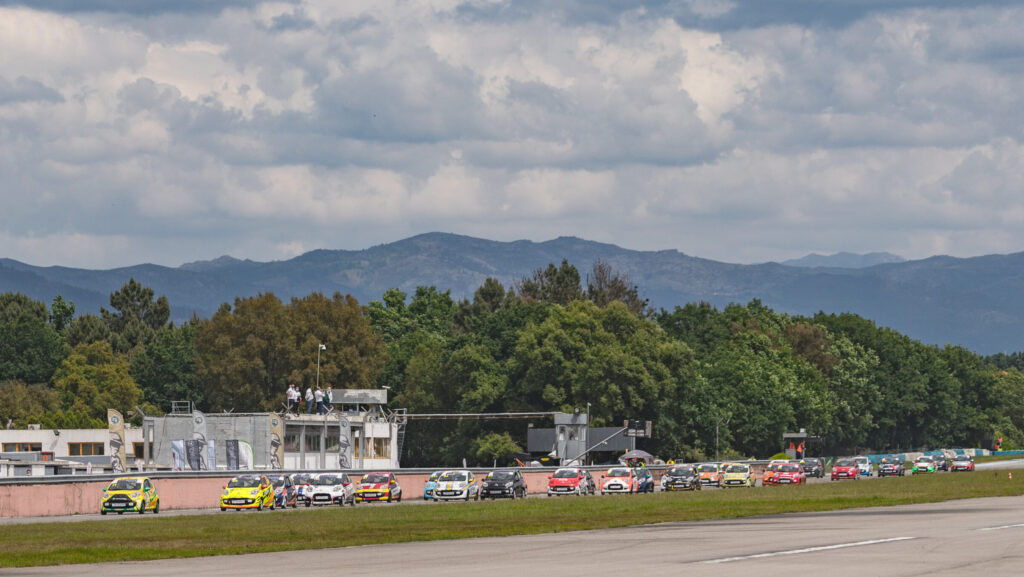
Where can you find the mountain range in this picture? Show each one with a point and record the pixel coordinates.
(973, 302)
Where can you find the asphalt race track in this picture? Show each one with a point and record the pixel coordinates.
(971, 536)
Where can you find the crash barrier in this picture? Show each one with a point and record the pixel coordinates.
(79, 495)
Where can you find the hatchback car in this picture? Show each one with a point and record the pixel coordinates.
(710, 474)
(680, 478)
(378, 487)
(863, 466)
(790, 474)
(457, 485)
(332, 489)
(941, 463)
(429, 484)
(133, 494)
(302, 483)
(620, 480)
(891, 466)
(962, 463)
(924, 464)
(508, 484)
(737, 475)
(569, 481)
(813, 467)
(844, 469)
(285, 491)
(646, 480)
(247, 492)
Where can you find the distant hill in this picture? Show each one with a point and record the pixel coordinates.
(972, 302)
(844, 260)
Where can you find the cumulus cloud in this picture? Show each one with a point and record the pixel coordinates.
(170, 132)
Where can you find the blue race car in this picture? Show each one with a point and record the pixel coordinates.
(429, 484)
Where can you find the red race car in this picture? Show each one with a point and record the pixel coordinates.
(789, 474)
(844, 469)
(962, 463)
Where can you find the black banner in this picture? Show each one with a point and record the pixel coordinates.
(231, 446)
(194, 453)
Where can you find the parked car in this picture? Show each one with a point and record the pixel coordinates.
(247, 492)
(429, 484)
(285, 492)
(710, 474)
(620, 480)
(845, 469)
(453, 485)
(302, 484)
(924, 464)
(737, 475)
(332, 489)
(134, 494)
(863, 466)
(891, 466)
(569, 481)
(503, 484)
(681, 478)
(962, 463)
(813, 467)
(645, 480)
(941, 463)
(377, 486)
(790, 474)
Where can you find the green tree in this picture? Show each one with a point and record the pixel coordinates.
(61, 313)
(605, 286)
(85, 330)
(495, 447)
(19, 402)
(556, 285)
(135, 317)
(93, 379)
(165, 370)
(30, 350)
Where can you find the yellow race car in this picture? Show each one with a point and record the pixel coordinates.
(130, 494)
(247, 492)
(737, 475)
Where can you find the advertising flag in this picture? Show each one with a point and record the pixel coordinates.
(178, 454)
(231, 449)
(245, 455)
(115, 423)
(199, 435)
(344, 443)
(276, 442)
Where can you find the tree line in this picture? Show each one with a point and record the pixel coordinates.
(555, 341)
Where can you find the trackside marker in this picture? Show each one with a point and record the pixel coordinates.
(809, 550)
(1001, 527)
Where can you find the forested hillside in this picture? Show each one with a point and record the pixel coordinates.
(553, 341)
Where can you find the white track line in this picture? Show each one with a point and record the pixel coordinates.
(809, 550)
(1000, 527)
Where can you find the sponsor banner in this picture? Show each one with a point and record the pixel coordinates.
(194, 455)
(276, 442)
(245, 455)
(211, 453)
(178, 454)
(231, 448)
(115, 423)
(199, 435)
(344, 443)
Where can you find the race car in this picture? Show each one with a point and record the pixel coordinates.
(378, 487)
(285, 491)
(788, 474)
(332, 489)
(863, 466)
(710, 474)
(813, 467)
(569, 481)
(924, 464)
(646, 480)
(247, 492)
(302, 484)
(135, 494)
(455, 485)
(891, 466)
(737, 475)
(429, 484)
(620, 480)
(844, 469)
(680, 478)
(504, 484)
(768, 477)
(962, 463)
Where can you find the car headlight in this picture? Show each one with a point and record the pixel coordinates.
(338, 488)
(254, 492)
(225, 493)
(136, 495)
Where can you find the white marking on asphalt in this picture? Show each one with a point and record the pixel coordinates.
(1000, 527)
(809, 550)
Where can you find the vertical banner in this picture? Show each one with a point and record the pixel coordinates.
(276, 442)
(115, 423)
(194, 455)
(199, 434)
(231, 449)
(211, 454)
(344, 443)
(245, 455)
(178, 454)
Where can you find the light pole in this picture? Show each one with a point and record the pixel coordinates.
(323, 347)
(721, 421)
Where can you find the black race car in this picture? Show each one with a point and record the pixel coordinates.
(680, 478)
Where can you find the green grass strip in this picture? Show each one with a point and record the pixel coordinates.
(229, 533)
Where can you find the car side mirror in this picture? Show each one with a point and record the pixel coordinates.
(224, 487)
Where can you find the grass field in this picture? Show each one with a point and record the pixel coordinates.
(156, 537)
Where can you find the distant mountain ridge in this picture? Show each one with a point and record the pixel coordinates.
(844, 260)
(972, 302)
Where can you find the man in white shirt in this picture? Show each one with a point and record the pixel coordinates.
(309, 400)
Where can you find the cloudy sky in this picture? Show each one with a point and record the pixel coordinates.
(169, 131)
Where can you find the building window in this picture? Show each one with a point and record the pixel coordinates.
(85, 449)
(137, 450)
(22, 447)
(381, 448)
(312, 442)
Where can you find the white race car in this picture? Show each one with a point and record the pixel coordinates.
(331, 489)
(456, 485)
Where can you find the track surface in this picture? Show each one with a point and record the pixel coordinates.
(974, 536)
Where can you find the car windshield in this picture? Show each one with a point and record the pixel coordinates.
(861, 460)
(278, 481)
(736, 469)
(708, 468)
(789, 468)
(433, 476)
(846, 463)
(125, 485)
(772, 467)
(566, 474)
(962, 458)
(681, 471)
(243, 482)
(453, 477)
(924, 459)
(618, 473)
(375, 478)
(301, 478)
(330, 480)
(811, 462)
(502, 475)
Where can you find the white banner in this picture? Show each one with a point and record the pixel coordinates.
(245, 455)
(211, 453)
(178, 454)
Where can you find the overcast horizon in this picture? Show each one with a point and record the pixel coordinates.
(740, 131)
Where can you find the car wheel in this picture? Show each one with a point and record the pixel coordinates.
(103, 512)
(157, 508)
(223, 509)
(120, 512)
(259, 505)
(142, 508)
